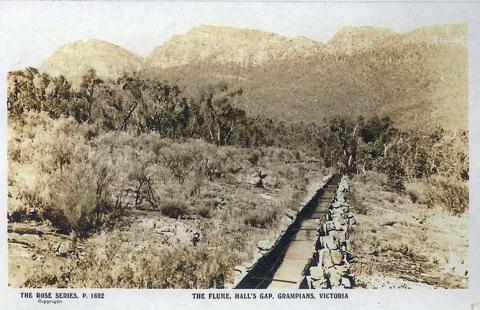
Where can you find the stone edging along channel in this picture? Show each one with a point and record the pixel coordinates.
(329, 266)
(264, 252)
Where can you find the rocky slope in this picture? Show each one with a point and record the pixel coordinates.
(227, 45)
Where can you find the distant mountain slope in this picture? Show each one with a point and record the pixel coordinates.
(419, 78)
(74, 59)
(417, 85)
(356, 39)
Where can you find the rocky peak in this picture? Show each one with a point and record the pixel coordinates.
(229, 45)
(456, 34)
(74, 59)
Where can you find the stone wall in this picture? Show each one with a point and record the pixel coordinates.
(265, 247)
(329, 266)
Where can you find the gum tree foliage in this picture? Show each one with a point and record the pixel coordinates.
(345, 136)
(30, 90)
(141, 105)
(221, 118)
(88, 97)
(132, 103)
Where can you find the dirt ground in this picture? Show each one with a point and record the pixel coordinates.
(33, 245)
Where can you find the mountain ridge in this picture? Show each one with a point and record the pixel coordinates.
(362, 70)
(183, 49)
(228, 45)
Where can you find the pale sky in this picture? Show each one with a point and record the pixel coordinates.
(31, 31)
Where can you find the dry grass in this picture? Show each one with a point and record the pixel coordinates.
(406, 243)
(163, 204)
(440, 191)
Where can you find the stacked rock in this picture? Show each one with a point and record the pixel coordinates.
(330, 264)
(287, 220)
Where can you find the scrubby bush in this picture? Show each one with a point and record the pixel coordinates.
(204, 211)
(45, 275)
(416, 191)
(396, 176)
(74, 193)
(180, 160)
(374, 179)
(145, 105)
(261, 217)
(112, 262)
(174, 208)
(449, 193)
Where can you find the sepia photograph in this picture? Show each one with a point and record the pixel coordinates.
(237, 146)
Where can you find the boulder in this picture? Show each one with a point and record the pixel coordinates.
(339, 236)
(347, 282)
(340, 224)
(317, 278)
(240, 271)
(257, 179)
(270, 181)
(340, 197)
(219, 202)
(319, 283)
(329, 225)
(316, 273)
(344, 269)
(291, 214)
(329, 242)
(325, 259)
(61, 248)
(335, 211)
(335, 277)
(336, 216)
(264, 245)
(343, 185)
(284, 224)
(335, 205)
(337, 257)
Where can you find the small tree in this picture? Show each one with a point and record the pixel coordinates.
(220, 117)
(344, 139)
(82, 194)
(87, 99)
(180, 160)
(74, 193)
(395, 173)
